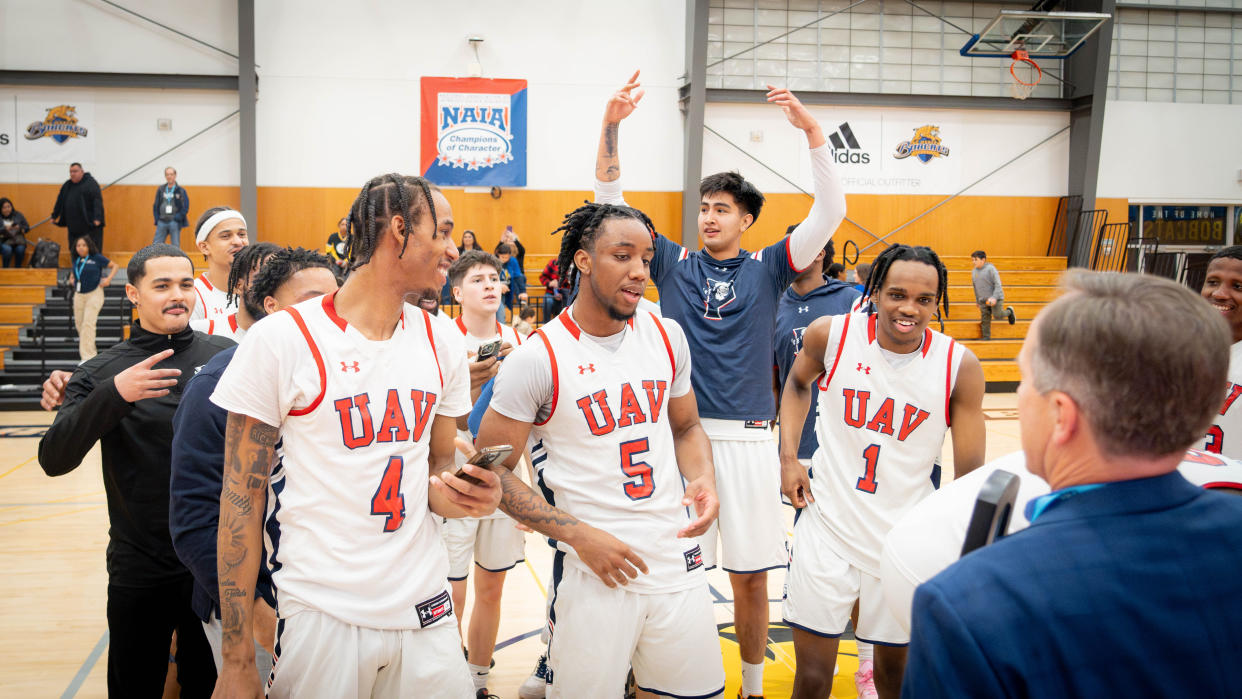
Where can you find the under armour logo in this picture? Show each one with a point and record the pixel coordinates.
(864, 369)
(804, 309)
(584, 368)
(348, 366)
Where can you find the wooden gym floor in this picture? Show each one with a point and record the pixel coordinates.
(53, 533)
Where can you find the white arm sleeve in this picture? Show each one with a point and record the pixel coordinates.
(826, 213)
(611, 193)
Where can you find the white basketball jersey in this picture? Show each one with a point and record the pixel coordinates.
(349, 530)
(210, 302)
(222, 327)
(505, 334)
(880, 432)
(1225, 434)
(605, 454)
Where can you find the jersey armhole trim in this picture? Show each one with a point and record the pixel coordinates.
(789, 258)
(948, 384)
(840, 348)
(211, 327)
(556, 379)
(1222, 484)
(431, 337)
(323, 372)
(672, 359)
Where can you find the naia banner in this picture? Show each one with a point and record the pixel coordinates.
(474, 132)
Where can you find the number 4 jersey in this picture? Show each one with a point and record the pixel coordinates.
(1225, 434)
(602, 445)
(349, 530)
(882, 420)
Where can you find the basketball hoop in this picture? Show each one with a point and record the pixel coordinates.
(1025, 75)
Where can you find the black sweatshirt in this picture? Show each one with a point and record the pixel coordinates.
(136, 447)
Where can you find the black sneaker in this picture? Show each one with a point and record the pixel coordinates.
(1012, 317)
(482, 694)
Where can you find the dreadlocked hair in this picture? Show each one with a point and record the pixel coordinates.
(1233, 252)
(246, 261)
(382, 198)
(279, 268)
(914, 253)
(581, 227)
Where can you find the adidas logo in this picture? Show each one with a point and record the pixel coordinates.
(845, 148)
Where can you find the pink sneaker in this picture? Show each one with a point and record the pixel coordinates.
(864, 680)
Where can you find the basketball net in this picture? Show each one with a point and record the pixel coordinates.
(1024, 74)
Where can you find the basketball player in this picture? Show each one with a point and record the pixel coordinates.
(494, 542)
(245, 263)
(219, 235)
(604, 396)
(889, 389)
(1223, 289)
(286, 277)
(726, 297)
(362, 396)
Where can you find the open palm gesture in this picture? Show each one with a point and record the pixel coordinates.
(624, 101)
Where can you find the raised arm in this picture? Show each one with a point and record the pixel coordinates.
(608, 158)
(828, 209)
(694, 460)
(966, 413)
(610, 559)
(795, 403)
(249, 450)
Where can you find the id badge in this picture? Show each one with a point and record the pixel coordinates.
(168, 208)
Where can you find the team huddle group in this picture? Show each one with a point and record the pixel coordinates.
(318, 482)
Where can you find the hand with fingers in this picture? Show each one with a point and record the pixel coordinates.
(701, 495)
(54, 389)
(796, 113)
(795, 484)
(477, 499)
(142, 380)
(624, 101)
(610, 558)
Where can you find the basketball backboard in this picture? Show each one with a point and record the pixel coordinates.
(1040, 34)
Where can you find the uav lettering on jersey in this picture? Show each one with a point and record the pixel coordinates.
(881, 421)
(599, 415)
(717, 295)
(393, 426)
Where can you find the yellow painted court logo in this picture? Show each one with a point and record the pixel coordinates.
(61, 124)
(925, 145)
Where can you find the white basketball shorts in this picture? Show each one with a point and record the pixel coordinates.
(751, 525)
(494, 544)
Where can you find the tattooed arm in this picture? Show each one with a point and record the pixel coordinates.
(620, 105)
(610, 558)
(249, 450)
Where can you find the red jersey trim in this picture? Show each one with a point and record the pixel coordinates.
(323, 372)
(211, 327)
(927, 340)
(1223, 484)
(329, 307)
(789, 258)
(232, 322)
(556, 377)
(206, 281)
(948, 383)
(569, 324)
(871, 321)
(431, 336)
(672, 360)
(840, 348)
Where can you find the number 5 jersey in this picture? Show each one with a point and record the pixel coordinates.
(881, 425)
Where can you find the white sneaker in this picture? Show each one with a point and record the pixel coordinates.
(536, 686)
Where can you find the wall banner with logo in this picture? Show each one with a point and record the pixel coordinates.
(473, 132)
(54, 131)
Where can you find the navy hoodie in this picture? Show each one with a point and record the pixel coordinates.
(794, 313)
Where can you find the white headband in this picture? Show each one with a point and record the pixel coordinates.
(214, 221)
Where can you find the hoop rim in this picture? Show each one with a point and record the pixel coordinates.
(1020, 56)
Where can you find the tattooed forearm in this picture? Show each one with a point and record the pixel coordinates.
(522, 504)
(239, 501)
(610, 140)
(263, 435)
(607, 160)
(248, 453)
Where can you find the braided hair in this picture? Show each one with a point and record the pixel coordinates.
(581, 227)
(277, 270)
(246, 261)
(913, 253)
(382, 198)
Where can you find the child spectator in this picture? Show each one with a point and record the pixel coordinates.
(989, 294)
(526, 321)
(512, 279)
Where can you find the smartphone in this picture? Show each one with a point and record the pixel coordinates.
(488, 350)
(485, 457)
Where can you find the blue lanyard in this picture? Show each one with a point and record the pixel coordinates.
(78, 267)
(1036, 507)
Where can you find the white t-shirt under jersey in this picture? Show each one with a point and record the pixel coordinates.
(209, 301)
(349, 529)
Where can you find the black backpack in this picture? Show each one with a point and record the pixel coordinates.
(46, 254)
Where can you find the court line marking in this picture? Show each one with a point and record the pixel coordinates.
(542, 590)
(2, 475)
(87, 666)
(54, 514)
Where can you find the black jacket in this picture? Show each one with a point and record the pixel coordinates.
(136, 447)
(79, 205)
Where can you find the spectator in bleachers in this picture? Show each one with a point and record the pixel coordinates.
(87, 277)
(338, 244)
(512, 280)
(1126, 582)
(469, 242)
(79, 206)
(861, 272)
(525, 324)
(836, 270)
(13, 229)
(989, 294)
(509, 237)
(553, 295)
(172, 205)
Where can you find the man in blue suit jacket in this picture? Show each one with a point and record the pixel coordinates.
(1129, 580)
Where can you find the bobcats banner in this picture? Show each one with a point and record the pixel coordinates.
(473, 132)
(55, 131)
